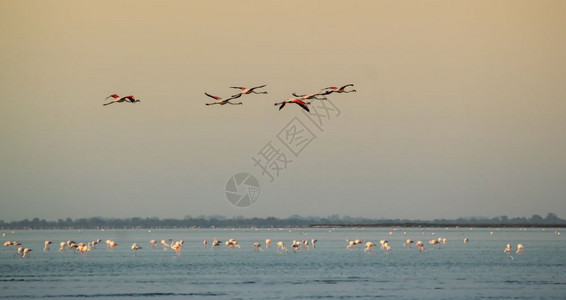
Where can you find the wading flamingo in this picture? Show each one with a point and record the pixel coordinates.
(135, 247)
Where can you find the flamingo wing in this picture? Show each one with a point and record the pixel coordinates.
(302, 104)
(236, 96)
(213, 97)
(282, 105)
(130, 99)
(258, 87)
(347, 85)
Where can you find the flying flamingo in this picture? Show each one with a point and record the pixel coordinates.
(221, 101)
(313, 96)
(247, 91)
(339, 90)
(118, 99)
(293, 100)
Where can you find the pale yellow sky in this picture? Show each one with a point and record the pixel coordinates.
(460, 108)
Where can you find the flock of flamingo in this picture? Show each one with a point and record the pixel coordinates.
(83, 248)
(300, 100)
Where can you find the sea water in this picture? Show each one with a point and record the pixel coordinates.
(478, 269)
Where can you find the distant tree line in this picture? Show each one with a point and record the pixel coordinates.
(551, 220)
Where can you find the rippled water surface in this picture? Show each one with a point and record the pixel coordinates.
(478, 269)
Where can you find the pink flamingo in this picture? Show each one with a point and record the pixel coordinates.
(296, 101)
(221, 101)
(118, 99)
(339, 90)
(247, 91)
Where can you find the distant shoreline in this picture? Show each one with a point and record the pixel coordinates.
(312, 226)
(439, 225)
(536, 221)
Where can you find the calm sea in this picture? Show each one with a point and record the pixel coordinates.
(476, 270)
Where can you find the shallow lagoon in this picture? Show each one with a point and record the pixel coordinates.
(478, 269)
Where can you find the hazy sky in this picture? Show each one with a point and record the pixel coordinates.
(460, 109)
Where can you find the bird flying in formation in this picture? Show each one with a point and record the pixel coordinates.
(118, 99)
(221, 101)
(293, 100)
(313, 96)
(339, 90)
(247, 91)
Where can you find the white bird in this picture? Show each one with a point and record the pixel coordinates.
(420, 245)
(519, 249)
(47, 243)
(369, 245)
(25, 252)
(118, 99)
(135, 247)
(339, 90)
(507, 249)
(293, 100)
(246, 91)
(222, 101)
